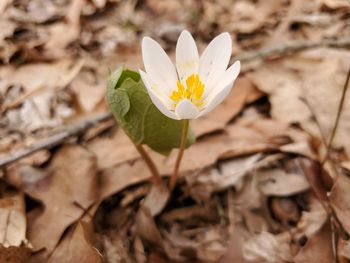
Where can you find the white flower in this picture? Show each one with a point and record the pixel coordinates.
(197, 85)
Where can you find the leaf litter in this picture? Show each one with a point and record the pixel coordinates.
(253, 187)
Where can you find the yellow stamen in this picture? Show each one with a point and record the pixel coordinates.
(193, 92)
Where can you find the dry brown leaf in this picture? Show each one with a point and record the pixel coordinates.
(76, 247)
(178, 246)
(70, 188)
(13, 223)
(269, 248)
(332, 5)
(157, 198)
(88, 89)
(4, 5)
(317, 76)
(234, 249)
(203, 244)
(14, 254)
(340, 200)
(114, 251)
(35, 12)
(14, 247)
(313, 220)
(113, 150)
(243, 93)
(212, 245)
(121, 176)
(52, 75)
(227, 174)
(62, 34)
(277, 182)
(7, 29)
(247, 20)
(23, 176)
(343, 250)
(318, 248)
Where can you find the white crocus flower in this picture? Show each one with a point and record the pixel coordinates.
(197, 85)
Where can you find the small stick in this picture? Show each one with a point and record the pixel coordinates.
(289, 48)
(67, 132)
(339, 111)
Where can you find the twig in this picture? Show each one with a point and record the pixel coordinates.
(284, 49)
(67, 132)
(339, 111)
(75, 129)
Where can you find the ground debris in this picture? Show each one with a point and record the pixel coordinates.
(255, 187)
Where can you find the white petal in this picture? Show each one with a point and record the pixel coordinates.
(186, 110)
(187, 58)
(156, 88)
(227, 78)
(158, 65)
(157, 100)
(224, 87)
(215, 58)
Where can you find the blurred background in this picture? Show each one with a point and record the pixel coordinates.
(63, 159)
(55, 55)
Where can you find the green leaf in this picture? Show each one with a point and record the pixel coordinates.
(138, 116)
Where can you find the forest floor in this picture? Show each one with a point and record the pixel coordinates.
(267, 179)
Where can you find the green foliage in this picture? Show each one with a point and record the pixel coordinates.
(138, 116)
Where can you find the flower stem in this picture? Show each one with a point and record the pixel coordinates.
(151, 166)
(173, 178)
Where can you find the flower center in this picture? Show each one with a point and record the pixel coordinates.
(193, 92)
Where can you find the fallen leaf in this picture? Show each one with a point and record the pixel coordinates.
(13, 254)
(115, 251)
(319, 180)
(13, 223)
(335, 5)
(312, 221)
(53, 75)
(62, 34)
(340, 200)
(318, 248)
(277, 182)
(88, 89)
(343, 250)
(318, 76)
(242, 94)
(202, 244)
(228, 173)
(267, 247)
(35, 12)
(113, 150)
(157, 198)
(76, 246)
(70, 188)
